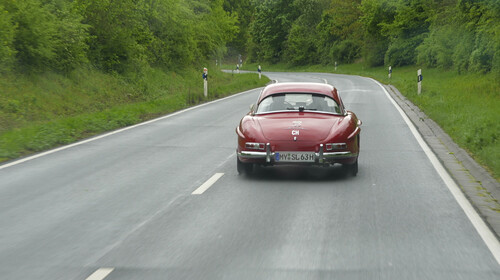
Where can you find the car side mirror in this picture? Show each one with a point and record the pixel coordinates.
(252, 108)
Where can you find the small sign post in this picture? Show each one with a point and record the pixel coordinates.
(419, 80)
(205, 82)
(390, 71)
(260, 72)
(237, 68)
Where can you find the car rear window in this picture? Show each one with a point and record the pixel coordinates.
(293, 102)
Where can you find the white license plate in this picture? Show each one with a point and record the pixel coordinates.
(294, 156)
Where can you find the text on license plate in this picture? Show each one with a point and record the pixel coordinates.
(295, 156)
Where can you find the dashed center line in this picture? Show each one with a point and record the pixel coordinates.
(208, 183)
(101, 273)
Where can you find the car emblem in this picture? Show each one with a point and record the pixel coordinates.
(295, 132)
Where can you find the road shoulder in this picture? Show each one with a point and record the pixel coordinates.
(480, 188)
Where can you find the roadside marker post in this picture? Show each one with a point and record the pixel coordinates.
(205, 82)
(335, 65)
(237, 68)
(390, 72)
(260, 72)
(419, 80)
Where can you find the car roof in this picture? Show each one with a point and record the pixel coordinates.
(316, 88)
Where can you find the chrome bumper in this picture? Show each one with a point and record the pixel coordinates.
(321, 157)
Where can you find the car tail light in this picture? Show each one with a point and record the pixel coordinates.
(255, 146)
(335, 146)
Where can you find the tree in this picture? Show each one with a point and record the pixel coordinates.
(270, 28)
(243, 10)
(172, 26)
(35, 39)
(340, 32)
(408, 29)
(72, 35)
(39, 35)
(119, 34)
(375, 13)
(7, 32)
(301, 47)
(464, 35)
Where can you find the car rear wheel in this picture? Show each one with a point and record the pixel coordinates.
(243, 168)
(352, 169)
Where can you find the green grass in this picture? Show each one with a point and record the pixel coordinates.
(466, 106)
(40, 112)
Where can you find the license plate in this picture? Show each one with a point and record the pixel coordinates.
(295, 156)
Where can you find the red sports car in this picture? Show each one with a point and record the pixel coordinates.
(298, 123)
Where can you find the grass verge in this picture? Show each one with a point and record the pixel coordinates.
(40, 112)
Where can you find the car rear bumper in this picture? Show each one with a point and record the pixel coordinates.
(321, 157)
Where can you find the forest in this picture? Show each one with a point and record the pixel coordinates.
(463, 35)
(112, 36)
(129, 35)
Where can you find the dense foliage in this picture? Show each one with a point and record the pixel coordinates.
(454, 34)
(125, 36)
(113, 36)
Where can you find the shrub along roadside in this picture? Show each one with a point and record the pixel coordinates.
(466, 106)
(45, 111)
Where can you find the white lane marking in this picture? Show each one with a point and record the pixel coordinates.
(145, 221)
(208, 183)
(325, 81)
(484, 231)
(100, 274)
(116, 131)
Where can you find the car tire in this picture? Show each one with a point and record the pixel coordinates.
(352, 169)
(243, 168)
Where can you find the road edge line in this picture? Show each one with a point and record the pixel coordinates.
(55, 150)
(483, 230)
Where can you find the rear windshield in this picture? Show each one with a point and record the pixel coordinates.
(297, 101)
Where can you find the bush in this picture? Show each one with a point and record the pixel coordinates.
(374, 52)
(462, 51)
(72, 36)
(36, 35)
(7, 31)
(437, 49)
(346, 51)
(41, 35)
(300, 48)
(401, 51)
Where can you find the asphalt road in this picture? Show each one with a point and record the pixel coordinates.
(121, 206)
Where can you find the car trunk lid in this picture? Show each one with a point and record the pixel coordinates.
(279, 127)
